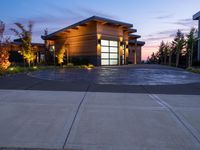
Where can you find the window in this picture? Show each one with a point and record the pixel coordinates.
(109, 52)
(104, 42)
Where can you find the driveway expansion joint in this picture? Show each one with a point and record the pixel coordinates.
(75, 116)
(187, 126)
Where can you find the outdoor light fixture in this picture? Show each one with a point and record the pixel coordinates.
(99, 41)
(121, 43)
(126, 44)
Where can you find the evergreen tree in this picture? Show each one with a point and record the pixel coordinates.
(190, 42)
(161, 52)
(179, 43)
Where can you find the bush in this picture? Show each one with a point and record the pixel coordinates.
(194, 70)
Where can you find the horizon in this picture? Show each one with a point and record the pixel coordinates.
(155, 21)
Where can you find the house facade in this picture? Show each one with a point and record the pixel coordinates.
(96, 40)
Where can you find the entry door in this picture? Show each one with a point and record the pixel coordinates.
(109, 52)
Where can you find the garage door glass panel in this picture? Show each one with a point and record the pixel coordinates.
(104, 49)
(113, 43)
(113, 61)
(114, 49)
(113, 55)
(104, 42)
(104, 62)
(105, 55)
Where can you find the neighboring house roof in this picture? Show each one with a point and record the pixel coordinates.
(34, 44)
(19, 42)
(196, 16)
(93, 18)
(141, 43)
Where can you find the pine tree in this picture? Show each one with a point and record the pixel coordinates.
(179, 43)
(191, 38)
(161, 52)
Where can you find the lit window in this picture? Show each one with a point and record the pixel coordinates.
(113, 49)
(104, 49)
(113, 55)
(113, 61)
(104, 55)
(104, 42)
(104, 62)
(114, 43)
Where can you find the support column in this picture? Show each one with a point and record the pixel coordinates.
(198, 56)
(135, 53)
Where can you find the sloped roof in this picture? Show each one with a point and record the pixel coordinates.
(196, 16)
(93, 18)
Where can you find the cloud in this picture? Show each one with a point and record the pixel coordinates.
(187, 22)
(165, 16)
(94, 12)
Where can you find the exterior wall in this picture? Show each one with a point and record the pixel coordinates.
(131, 54)
(80, 44)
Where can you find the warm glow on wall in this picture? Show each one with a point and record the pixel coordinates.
(98, 44)
(98, 36)
(121, 39)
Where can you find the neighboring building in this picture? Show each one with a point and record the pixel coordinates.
(96, 40)
(16, 56)
(197, 17)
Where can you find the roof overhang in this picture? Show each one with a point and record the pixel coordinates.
(196, 16)
(84, 22)
(140, 43)
(133, 36)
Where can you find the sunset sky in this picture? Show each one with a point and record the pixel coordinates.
(155, 20)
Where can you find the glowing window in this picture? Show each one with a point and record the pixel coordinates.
(104, 49)
(114, 43)
(113, 49)
(113, 55)
(104, 62)
(113, 61)
(104, 42)
(105, 55)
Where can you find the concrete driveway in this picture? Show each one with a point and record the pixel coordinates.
(52, 114)
(99, 120)
(122, 75)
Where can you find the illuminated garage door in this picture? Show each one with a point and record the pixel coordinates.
(109, 52)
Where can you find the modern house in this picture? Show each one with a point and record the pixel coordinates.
(197, 17)
(98, 41)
